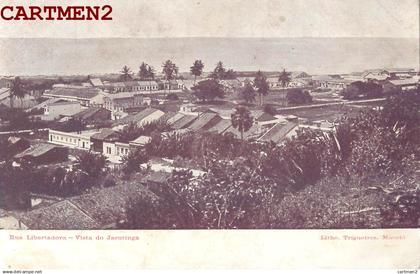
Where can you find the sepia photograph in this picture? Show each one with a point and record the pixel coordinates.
(214, 132)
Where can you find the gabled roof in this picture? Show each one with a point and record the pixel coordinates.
(168, 115)
(107, 206)
(278, 132)
(37, 150)
(96, 82)
(89, 112)
(175, 118)
(392, 70)
(83, 93)
(405, 82)
(252, 132)
(322, 77)
(184, 122)
(4, 93)
(262, 116)
(60, 215)
(221, 126)
(299, 74)
(45, 103)
(104, 134)
(142, 140)
(121, 95)
(138, 117)
(371, 75)
(205, 121)
(63, 103)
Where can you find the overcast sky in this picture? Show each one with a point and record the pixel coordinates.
(231, 18)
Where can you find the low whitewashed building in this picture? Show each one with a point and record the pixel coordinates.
(78, 140)
(406, 84)
(109, 149)
(114, 151)
(121, 101)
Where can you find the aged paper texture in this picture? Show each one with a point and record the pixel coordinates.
(209, 134)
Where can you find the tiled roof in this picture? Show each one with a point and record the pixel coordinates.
(89, 112)
(184, 122)
(83, 93)
(142, 140)
(138, 117)
(252, 132)
(262, 116)
(106, 206)
(175, 118)
(403, 82)
(37, 150)
(61, 215)
(64, 103)
(278, 132)
(45, 103)
(122, 95)
(221, 126)
(96, 82)
(204, 121)
(104, 134)
(168, 115)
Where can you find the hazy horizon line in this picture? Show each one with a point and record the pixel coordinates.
(314, 55)
(222, 37)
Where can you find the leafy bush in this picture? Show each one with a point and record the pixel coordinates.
(172, 96)
(298, 96)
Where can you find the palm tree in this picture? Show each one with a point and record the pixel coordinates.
(143, 71)
(218, 72)
(126, 74)
(150, 72)
(242, 120)
(284, 78)
(17, 90)
(170, 70)
(197, 69)
(261, 85)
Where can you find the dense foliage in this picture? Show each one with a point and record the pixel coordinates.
(208, 90)
(298, 97)
(221, 73)
(360, 90)
(361, 175)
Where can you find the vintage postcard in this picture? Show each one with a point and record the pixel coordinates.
(209, 134)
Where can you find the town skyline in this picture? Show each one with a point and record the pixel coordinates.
(312, 55)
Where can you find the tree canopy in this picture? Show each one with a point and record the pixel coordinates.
(208, 90)
(221, 73)
(197, 69)
(146, 72)
(247, 93)
(284, 78)
(261, 85)
(170, 70)
(242, 120)
(298, 96)
(359, 89)
(126, 74)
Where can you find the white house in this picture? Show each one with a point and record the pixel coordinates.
(79, 140)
